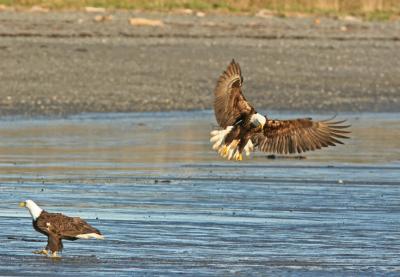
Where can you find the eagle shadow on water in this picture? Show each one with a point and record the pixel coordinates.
(243, 129)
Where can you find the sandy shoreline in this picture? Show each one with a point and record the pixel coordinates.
(62, 63)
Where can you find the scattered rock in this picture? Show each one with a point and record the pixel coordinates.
(343, 28)
(200, 14)
(351, 18)
(39, 9)
(78, 50)
(184, 11)
(394, 17)
(94, 10)
(265, 13)
(209, 24)
(317, 21)
(146, 22)
(103, 18)
(295, 14)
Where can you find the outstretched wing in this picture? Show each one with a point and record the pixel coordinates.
(65, 226)
(230, 104)
(299, 135)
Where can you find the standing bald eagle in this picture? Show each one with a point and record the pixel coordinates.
(57, 226)
(244, 128)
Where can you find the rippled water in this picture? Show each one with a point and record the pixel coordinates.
(168, 204)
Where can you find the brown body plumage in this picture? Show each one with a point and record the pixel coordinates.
(244, 128)
(57, 227)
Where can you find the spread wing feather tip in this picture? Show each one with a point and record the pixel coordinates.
(300, 135)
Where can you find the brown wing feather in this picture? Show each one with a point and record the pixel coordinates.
(64, 226)
(230, 104)
(299, 135)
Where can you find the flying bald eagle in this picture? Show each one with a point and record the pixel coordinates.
(57, 226)
(244, 128)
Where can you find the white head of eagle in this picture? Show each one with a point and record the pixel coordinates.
(33, 208)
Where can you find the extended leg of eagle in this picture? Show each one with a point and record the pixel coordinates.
(54, 244)
(246, 145)
(42, 252)
(230, 150)
(231, 142)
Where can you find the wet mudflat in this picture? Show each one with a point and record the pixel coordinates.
(168, 205)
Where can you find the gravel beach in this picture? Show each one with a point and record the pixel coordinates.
(62, 63)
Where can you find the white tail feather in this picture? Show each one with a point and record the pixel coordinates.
(218, 137)
(90, 235)
(230, 151)
(215, 132)
(214, 138)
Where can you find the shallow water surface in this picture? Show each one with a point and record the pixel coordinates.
(168, 204)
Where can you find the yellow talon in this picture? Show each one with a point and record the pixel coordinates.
(238, 156)
(54, 255)
(223, 151)
(43, 252)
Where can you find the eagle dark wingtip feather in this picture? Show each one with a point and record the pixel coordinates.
(341, 127)
(340, 136)
(335, 122)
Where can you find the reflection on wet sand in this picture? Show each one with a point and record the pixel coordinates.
(146, 141)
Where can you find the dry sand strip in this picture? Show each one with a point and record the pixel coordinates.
(60, 63)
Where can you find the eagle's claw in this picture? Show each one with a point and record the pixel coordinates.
(42, 252)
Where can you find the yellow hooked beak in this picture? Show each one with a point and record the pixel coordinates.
(22, 204)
